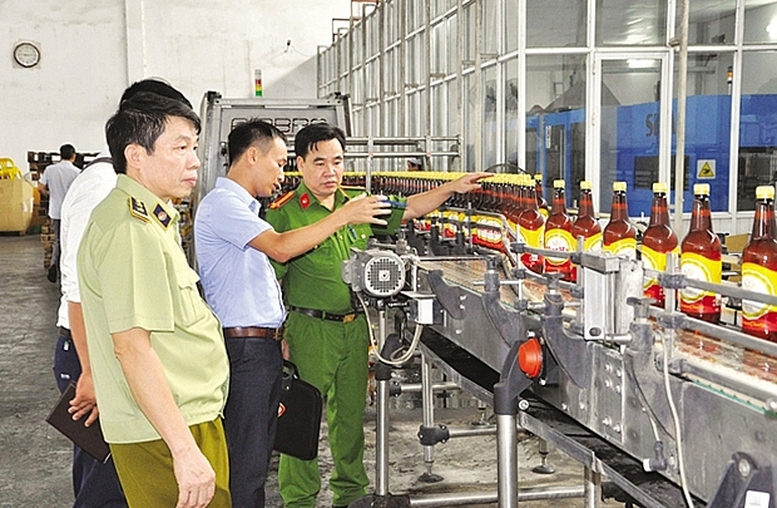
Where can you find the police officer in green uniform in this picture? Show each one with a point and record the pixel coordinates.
(328, 339)
(159, 364)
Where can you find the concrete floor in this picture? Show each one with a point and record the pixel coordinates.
(35, 458)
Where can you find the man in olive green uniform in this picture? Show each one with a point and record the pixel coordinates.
(328, 339)
(158, 359)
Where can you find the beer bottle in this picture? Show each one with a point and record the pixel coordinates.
(657, 242)
(542, 205)
(558, 234)
(586, 224)
(700, 259)
(531, 225)
(620, 237)
(759, 268)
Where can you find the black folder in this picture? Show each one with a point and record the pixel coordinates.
(299, 416)
(90, 439)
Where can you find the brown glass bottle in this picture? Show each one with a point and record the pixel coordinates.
(759, 268)
(619, 236)
(586, 225)
(542, 205)
(558, 233)
(531, 225)
(700, 259)
(658, 241)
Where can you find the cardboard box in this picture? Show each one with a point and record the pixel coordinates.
(16, 205)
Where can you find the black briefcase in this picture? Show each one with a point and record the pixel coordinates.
(299, 416)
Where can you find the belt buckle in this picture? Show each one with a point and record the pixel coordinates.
(348, 318)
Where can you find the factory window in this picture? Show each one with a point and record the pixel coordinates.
(492, 129)
(710, 22)
(489, 17)
(556, 23)
(760, 22)
(439, 56)
(510, 25)
(453, 50)
(627, 23)
(555, 117)
(757, 126)
(629, 117)
(708, 126)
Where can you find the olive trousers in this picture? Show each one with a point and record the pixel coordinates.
(333, 357)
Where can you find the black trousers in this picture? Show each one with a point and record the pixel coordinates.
(251, 415)
(95, 484)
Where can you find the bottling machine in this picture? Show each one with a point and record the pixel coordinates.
(670, 410)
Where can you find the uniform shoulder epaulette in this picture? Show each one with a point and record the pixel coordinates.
(138, 209)
(282, 200)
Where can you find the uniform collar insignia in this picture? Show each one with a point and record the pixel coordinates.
(138, 209)
(161, 215)
(304, 201)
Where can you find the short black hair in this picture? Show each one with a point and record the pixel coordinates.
(153, 85)
(247, 134)
(67, 151)
(308, 137)
(141, 120)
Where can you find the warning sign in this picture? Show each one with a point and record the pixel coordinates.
(705, 169)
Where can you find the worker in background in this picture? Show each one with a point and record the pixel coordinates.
(55, 181)
(415, 164)
(95, 483)
(233, 245)
(327, 337)
(159, 364)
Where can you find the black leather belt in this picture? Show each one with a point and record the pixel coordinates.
(253, 332)
(64, 332)
(329, 316)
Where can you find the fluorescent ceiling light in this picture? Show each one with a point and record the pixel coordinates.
(641, 63)
(771, 29)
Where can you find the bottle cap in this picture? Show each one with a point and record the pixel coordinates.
(559, 184)
(585, 184)
(701, 188)
(538, 177)
(764, 192)
(659, 187)
(619, 186)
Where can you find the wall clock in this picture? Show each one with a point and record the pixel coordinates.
(26, 54)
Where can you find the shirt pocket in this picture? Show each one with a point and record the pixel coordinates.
(187, 302)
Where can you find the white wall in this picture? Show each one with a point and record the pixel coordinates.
(197, 45)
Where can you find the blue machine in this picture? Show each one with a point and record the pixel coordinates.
(556, 148)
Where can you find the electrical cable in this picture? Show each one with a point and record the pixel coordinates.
(396, 362)
(676, 418)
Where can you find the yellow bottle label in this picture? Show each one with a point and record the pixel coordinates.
(559, 240)
(758, 279)
(545, 213)
(697, 267)
(626, 247)
(533, 237)
(593, 243)
(654, 260)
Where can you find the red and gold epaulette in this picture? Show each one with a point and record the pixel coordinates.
(281, 200)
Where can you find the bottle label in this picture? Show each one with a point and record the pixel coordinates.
(559, 240)
(490, 232)
(532, 238)
(626, 247)
(758, 316)
(654, 260)
(593, 243)
(697, 267)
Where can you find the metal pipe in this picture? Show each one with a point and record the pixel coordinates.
(528, 494)
(388, 155)
(592, 487)
(392, 140)
(473, 432)
(436, 387)
(507, 460)
(427, 404)
(382, 423)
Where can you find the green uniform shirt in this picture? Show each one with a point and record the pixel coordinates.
(132, 273)
(314, 280)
